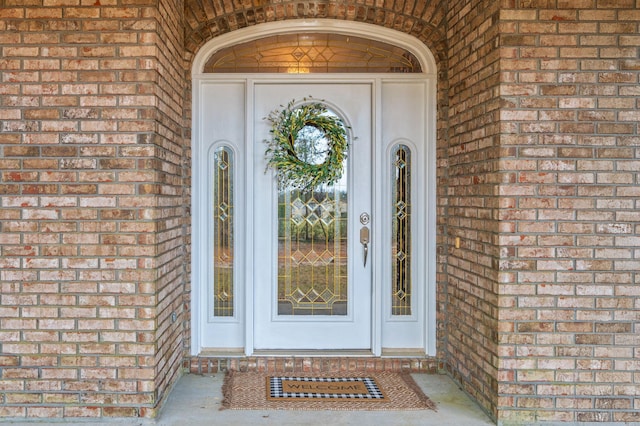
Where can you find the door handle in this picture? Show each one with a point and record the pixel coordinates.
(364, 240)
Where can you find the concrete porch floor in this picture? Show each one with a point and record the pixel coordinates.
(196, 399)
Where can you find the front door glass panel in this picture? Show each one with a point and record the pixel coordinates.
(312, 252)
(312, 239)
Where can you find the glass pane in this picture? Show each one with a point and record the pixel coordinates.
(313, 53)
(401, 232)
(312, 247)
(223, 290)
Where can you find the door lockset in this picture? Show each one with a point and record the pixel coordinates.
(364, 240)
(364, 235)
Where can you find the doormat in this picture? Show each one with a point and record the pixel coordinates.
(370, 391)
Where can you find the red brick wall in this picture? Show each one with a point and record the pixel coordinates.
(92, 214)
(570, 211)
(172, 258)
(473, 178)
(538, 175)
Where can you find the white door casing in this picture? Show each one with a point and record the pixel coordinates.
(401, 110)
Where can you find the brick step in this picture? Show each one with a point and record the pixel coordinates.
(311, 364)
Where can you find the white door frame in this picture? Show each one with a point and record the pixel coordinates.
(200, 264)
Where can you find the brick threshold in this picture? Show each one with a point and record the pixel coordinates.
(311, 364)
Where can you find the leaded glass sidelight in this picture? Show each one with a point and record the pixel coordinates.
(312, 241)
(401, 231)
(223, 290)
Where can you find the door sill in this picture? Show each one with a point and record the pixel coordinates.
(279, 353)
(221, 352)
(313, 353)
(403, 353)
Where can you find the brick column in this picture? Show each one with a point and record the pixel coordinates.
(473, 198)
(91, 218)
(569, 292)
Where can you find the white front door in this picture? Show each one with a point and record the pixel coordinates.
(311, 275)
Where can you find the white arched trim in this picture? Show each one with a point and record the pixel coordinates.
(296, 26)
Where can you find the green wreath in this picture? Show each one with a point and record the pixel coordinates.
(283, 155)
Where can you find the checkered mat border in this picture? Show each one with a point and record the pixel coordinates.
(275, 388)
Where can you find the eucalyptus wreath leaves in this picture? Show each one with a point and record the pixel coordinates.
(291, 160)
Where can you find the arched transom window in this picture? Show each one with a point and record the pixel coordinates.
(306, 53)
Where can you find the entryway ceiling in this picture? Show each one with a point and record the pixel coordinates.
(424, 19)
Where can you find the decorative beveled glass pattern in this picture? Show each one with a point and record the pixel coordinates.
(312, 258)
(312, 247)
(313, 53)
(401, 231)
(223, 289)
